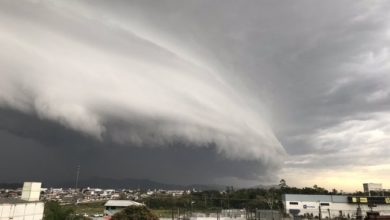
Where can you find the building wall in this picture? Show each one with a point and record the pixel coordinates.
(372, 187)
(312, 208)
(331, 206)
(31, 191)
(22, 211)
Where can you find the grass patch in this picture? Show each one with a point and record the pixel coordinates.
(162, 213)
(88, 208)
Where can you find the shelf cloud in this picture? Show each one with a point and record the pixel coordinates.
(227, 91)
(110, 80)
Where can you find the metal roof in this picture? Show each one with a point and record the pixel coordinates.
(122, 203)
(315, 198)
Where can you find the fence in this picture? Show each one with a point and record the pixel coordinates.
(242, 214)
(229, 214)
(268, 215)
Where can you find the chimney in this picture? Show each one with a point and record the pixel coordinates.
(31, 191)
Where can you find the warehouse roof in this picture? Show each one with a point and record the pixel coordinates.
(122, 203)
(316, 198)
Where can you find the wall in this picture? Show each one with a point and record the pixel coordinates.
(22, 211)
(310, 207)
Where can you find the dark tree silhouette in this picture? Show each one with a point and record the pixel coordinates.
(135, 213)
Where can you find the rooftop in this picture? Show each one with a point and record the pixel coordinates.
(14, 201)
(322, 198)
(122, 203)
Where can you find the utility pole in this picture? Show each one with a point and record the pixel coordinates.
(319, 211)
(359, 215)
(77, 177)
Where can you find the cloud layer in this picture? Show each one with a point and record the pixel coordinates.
(111, 81)
(240, 82)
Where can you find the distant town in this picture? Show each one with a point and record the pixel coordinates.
(71, 195)
(275, 203)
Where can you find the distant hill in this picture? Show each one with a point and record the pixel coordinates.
(130, 183)
(11, 185)
(266, 186)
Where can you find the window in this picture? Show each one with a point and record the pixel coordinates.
(110, 207)
(293, 203)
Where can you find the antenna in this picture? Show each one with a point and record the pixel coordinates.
(77, 176)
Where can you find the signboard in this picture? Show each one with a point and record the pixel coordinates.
(363, 200)
(369, 200)
(305, 206)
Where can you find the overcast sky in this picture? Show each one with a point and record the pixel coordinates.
(225, 92)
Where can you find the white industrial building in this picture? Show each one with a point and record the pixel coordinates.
(27, 208)
(111, 207)
(372, 187)
(332, 206)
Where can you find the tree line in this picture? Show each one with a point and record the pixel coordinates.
(252, 198)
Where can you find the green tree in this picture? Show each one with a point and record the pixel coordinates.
(135, 213)
(282, 183)
(54, 211)
(271, 197)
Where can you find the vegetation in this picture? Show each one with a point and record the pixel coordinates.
(164, 213)
(250, 199)
(135, 213)
(90, 208)
(54, 211)
(163, 205)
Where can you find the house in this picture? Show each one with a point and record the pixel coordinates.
(114, 206)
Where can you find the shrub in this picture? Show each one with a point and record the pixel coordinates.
(135, 213)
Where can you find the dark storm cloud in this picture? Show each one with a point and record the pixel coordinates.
(53, 151)
(228, 81)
